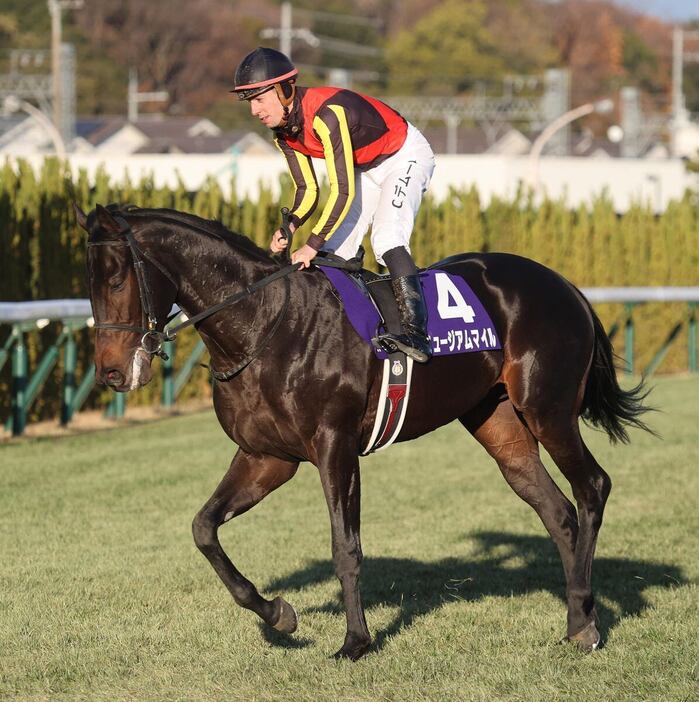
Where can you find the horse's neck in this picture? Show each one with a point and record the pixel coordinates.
(207, 270)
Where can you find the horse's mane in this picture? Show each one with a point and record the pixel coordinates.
(207, 226)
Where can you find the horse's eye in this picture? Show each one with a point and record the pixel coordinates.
(116, 284)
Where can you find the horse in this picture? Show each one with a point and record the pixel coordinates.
(294, 382)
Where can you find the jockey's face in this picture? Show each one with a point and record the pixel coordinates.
(267, 109)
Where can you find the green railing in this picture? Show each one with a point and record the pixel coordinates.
(632, 298)
(75, 315)
(72, 316)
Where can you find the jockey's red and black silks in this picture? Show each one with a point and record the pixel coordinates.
(346, 129)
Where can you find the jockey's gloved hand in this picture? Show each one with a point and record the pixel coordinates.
(304, 255)
(278, 243)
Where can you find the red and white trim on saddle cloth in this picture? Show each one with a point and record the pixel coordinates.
(393, 402)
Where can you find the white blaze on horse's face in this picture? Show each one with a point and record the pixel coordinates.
(140, 369)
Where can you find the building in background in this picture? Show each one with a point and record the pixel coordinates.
(21, 136)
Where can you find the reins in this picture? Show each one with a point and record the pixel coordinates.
(148, 311)
(170, 334)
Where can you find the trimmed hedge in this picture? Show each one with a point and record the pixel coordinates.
(42, 249)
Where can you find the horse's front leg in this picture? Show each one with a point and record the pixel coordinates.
(248, 480)
(339, 473)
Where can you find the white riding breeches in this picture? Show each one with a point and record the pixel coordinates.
(387, 198)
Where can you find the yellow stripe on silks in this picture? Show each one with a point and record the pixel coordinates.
(324, 134)
(279, 146)
(288, 166)
(309, 198)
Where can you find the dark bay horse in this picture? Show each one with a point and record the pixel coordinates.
(309, 385)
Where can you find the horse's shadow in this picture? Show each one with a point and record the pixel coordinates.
(507, 565)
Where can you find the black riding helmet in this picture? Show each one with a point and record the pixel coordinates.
(264, 69)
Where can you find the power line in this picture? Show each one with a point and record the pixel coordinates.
(286, 32)
(341, 19)
(350, 48)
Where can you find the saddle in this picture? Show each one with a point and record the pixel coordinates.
(375, 287)
(457, 321)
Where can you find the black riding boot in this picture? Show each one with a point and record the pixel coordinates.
(413, 319)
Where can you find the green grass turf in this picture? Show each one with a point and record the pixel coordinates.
(103, 595)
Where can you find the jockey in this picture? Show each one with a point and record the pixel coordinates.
(378, 166)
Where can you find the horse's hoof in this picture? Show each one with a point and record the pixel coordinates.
(587, 639)
(286, 620)
(353, 651)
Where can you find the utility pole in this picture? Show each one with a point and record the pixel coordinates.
(56, 96)
(631, 122)
(135, 97)
(677, 93)
(286, 32)
(285, 29)
(679, 56)
(554, 103)
(56, 8)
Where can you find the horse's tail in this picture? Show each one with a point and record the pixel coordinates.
(605, 404)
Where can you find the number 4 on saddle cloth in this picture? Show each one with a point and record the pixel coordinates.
(457, 322)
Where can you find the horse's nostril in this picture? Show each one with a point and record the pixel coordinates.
(114, 378)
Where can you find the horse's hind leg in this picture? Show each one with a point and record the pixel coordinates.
(248, 480)
(560, 436)
(507, 439)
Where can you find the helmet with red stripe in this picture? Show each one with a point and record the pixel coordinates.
(264, 69)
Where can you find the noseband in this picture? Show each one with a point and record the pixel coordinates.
(149, 318)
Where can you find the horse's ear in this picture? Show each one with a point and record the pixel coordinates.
(105, 220)
(80, 216)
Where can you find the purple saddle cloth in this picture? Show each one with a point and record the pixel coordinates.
(457, 322)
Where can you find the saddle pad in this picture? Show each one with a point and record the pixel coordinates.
(457, 322)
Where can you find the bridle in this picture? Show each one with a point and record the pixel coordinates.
(149, 320)
(149, 329)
